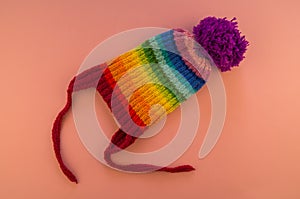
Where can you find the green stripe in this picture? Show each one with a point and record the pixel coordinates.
(158, 71)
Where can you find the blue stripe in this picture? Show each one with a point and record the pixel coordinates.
(166, 40)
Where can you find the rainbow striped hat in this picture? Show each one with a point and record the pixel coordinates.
(165, 70)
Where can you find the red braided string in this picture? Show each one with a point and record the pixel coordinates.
(84, 80)
(56, 133)
(119, 141)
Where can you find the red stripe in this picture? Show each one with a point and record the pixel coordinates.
(106, 86)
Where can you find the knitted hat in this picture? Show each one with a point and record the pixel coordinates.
(166, 70)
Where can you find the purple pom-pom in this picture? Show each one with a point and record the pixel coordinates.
(222, 40)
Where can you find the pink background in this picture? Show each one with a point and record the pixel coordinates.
(42, 45)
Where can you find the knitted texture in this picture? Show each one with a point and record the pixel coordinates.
(160, 67)
(165, 69)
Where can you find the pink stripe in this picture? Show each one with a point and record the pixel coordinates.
(187, 46)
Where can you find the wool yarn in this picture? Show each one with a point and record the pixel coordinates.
(169, 67)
